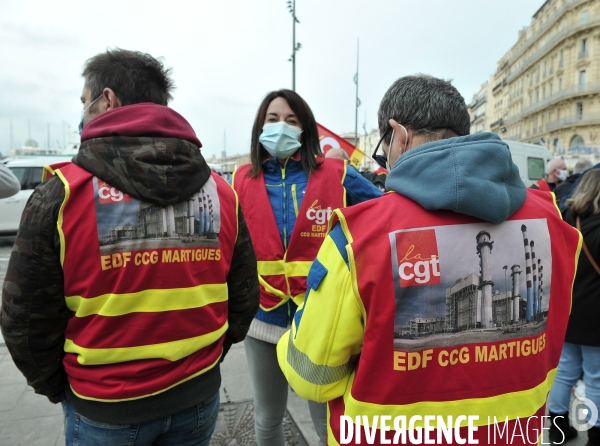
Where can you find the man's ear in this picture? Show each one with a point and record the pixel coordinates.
(400, 134)
(110, 100)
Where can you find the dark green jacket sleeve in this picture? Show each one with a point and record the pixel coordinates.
(34, 314)
(242, 283)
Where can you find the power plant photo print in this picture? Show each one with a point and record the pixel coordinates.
(127, 224)
(470, 283)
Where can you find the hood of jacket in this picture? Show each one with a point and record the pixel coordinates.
(473, 175)
(148, 151)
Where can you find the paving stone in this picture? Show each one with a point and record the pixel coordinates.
(31, 405)
(41, 432)
(235, 425)
(10, 395)
(10, 374)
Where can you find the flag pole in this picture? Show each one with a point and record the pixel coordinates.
(357, 100)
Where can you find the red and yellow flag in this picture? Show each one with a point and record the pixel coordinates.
(330, 140)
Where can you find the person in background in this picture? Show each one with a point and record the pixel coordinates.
(556, 173)
(565, 196)
(114, 304)
(338, 153)
(378, 180)
(9, 183)
(581, 350)
(389, 326)
(288, 193)
(580, 166)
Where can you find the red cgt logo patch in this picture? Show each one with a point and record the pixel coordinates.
(418, 258)
(109, 195)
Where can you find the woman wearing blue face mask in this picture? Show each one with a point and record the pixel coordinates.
(287, 195)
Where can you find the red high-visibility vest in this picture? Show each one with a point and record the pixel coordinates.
(282, 273)
(542, 185)
(146, 285)
(444, 332)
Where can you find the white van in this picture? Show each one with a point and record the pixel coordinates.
(28, 170)
(531, 160)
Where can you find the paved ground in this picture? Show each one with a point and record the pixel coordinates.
(30, 420)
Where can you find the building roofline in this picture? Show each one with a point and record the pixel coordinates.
(541, 7)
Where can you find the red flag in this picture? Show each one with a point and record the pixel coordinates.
(330, 140)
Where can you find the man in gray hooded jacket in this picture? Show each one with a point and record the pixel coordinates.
(410, 314)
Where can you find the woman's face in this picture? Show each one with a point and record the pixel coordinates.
(279, 110)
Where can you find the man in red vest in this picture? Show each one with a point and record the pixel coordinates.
(428, 319)
(556, 172)
(133, 271)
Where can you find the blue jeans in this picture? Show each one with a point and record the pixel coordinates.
(574, 359)
(190, 427)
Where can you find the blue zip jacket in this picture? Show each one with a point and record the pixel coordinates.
(286, 186)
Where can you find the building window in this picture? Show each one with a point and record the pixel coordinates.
(559, 83)
(584, 49)
(582, 77)
(585, 16)
(561, 60)
(577, 142)
(579, 111)
(537, 95)
(551, 88)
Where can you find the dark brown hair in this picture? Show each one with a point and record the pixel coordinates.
(310, 135)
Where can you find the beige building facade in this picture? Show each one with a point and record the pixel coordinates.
(481, 115)
(546, 89)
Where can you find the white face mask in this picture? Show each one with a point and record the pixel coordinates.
(562, 174)
(280, 139)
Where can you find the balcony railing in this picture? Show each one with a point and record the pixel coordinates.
(583, 54)
(591, 87)
(589, 118)
(542, 29)
(595, 20)
(497, 123)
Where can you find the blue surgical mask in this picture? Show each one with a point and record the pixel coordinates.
(280, 139)
(83, 114)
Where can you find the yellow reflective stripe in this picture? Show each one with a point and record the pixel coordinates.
(204, 370)
(269, 289)
(278, 267)
(270, 267)
(172, 351)
(61, 212)
(148, 301)
(45, 171)
(298, 268)
(512, 405)
(295, 200)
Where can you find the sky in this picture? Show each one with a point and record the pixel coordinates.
(227, 55)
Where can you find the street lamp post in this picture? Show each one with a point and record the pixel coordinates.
(295, 46)
(357, 104)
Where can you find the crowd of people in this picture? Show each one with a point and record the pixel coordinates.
(136, 268)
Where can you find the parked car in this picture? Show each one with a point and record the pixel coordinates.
(28, 169)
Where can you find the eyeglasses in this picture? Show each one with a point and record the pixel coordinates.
(381, 159)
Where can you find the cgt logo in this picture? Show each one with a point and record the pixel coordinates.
(418, 258)
(108, 194)
(320, 216)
